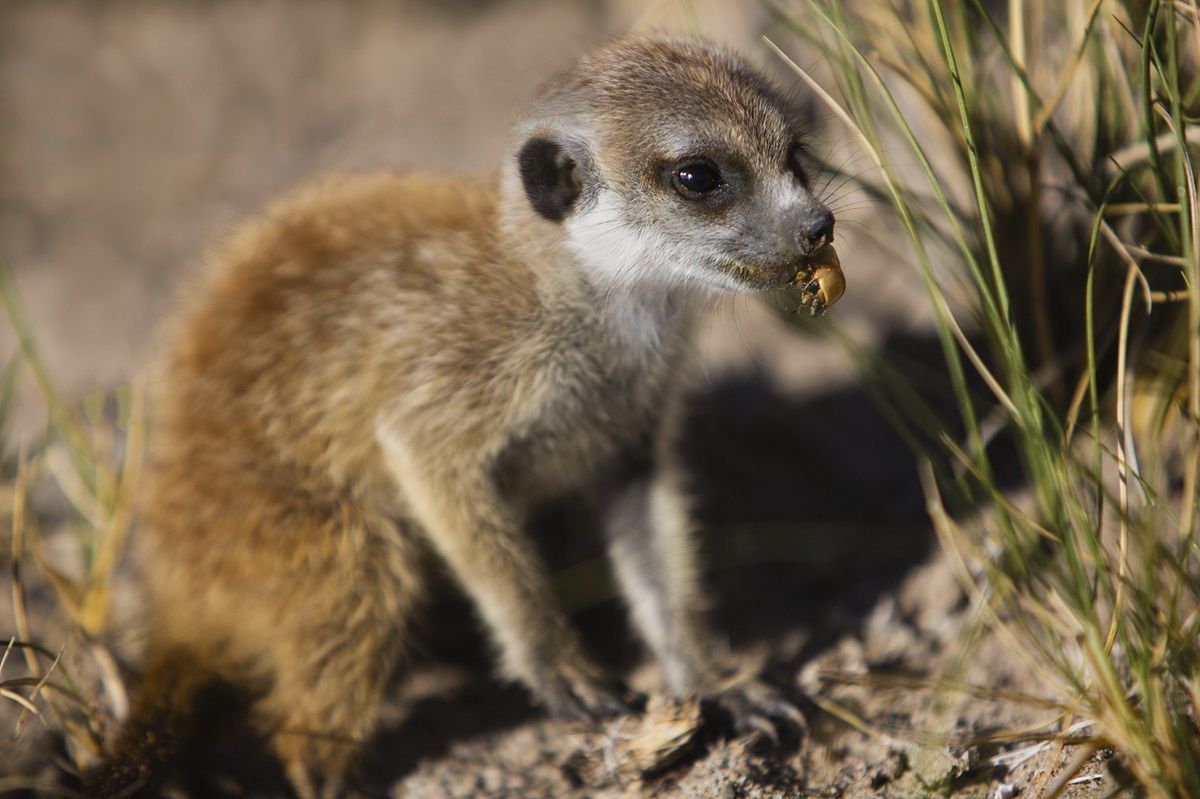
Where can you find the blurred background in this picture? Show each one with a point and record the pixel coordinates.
(133, 134)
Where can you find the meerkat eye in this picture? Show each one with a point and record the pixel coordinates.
(696, 178)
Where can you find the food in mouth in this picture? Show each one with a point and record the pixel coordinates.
(822, 282)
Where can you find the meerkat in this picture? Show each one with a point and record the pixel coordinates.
(389, 369)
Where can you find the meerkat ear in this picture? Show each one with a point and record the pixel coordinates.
(551, 177)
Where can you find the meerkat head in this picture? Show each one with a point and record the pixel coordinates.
(672, 162)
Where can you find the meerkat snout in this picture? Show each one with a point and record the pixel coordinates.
(814, 229)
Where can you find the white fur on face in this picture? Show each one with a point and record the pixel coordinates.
(617, 254)
(641, 276)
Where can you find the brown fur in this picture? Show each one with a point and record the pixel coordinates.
(391, 368)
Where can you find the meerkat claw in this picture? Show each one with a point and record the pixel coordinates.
(758, 715)
(583, 696)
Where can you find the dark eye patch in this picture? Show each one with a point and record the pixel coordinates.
(796, 160)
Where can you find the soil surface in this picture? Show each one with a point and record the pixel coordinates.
(131, 133)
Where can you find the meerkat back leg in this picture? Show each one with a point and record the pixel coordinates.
(494, 561)
(340, 615)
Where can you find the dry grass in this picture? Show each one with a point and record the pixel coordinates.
(1055, 202)
(93, 459)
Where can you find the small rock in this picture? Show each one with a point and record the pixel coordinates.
(665, 733)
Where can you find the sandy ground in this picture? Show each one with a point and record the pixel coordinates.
(132, 133)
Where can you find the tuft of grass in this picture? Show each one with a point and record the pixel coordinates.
(1055, 201)
(93, 455)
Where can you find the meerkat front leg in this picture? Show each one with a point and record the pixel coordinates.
(493, 560)
(656, 565)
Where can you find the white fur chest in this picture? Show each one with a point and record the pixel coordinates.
(602, 391)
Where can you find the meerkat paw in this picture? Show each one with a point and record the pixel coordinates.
(757, 714)
(575, 691)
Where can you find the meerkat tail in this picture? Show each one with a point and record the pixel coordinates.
(161, 725)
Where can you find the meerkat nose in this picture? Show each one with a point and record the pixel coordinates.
(814, 229)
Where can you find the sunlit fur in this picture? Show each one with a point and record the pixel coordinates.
(385, 370)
